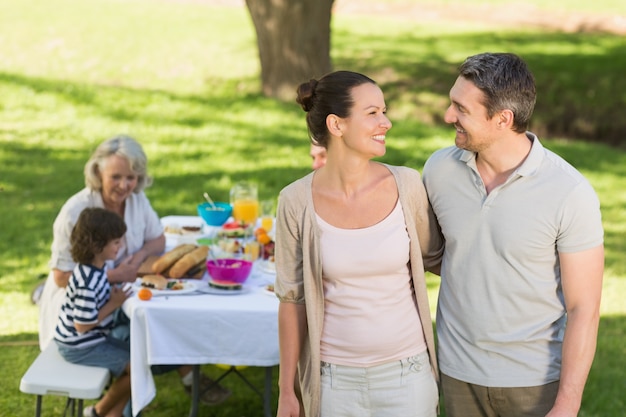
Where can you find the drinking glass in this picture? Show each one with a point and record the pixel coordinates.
(267, 215)
(245, 201)
(252, 250)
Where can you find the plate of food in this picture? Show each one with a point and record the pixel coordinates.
(269, 290)
(159, 285)
(175, 226)
(182, 229)
(224, 288)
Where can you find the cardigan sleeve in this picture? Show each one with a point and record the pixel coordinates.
(429, 236)
(289, 286)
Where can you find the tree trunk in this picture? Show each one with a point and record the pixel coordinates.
(293, 38)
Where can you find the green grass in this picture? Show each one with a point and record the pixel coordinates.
(183, 79)
(599, 6)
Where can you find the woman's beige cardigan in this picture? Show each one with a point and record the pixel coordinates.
(299, 269)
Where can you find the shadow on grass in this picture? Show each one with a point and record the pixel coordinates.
(215, 139)
(579, 76)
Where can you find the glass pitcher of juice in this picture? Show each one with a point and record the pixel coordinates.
(245, 201)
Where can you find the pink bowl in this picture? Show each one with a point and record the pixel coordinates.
(229, 270)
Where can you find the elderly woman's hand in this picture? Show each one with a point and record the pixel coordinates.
(126, 271)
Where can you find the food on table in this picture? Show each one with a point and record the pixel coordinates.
(191, 230)
(196, 272)
(270, 287)
(261, 236)
(169, 258)
(233, 229)
(229, 245)
(175, 229)
(268, 251)
(157, 282)
(188, 261)
(265, 239)
(160, 283)
(233, 237)
(144, 294)
(224, 285)
(175, 285)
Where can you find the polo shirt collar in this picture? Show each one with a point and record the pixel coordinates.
(533, 161)
(530, 164)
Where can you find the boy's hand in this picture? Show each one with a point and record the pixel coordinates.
(119, 295)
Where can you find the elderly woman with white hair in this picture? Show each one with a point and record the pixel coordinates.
(115, 177)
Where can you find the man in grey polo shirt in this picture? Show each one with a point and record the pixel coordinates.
(524, 254)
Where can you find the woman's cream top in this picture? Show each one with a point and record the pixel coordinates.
(370, 313)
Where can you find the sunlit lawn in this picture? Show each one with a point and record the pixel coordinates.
(183, 79)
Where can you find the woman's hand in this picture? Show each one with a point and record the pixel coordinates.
(288, 405)
(150, 247)
(291, 334)
(126, 271)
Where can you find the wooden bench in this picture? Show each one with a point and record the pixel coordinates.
(51, 374)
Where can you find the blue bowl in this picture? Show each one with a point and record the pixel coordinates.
(215, 216)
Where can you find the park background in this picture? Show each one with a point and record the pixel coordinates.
(183, 78)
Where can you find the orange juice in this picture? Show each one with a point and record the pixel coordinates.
(252, 250)
(267, 222)
(246, 211)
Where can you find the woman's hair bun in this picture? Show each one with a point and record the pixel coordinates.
(306, 94)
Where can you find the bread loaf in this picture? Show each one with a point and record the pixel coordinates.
(197, 272)
(188, 261)
(169, 258)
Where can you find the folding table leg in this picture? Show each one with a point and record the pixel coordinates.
(38, 406)
(70, 405)
(267, 394)
(195, 391)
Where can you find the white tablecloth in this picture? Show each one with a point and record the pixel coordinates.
(200, 329)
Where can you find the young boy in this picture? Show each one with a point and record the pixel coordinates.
(86, 319)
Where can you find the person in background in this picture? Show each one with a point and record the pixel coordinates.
(116, 175)
(87, 315)
(521, 275)
(352, 240)
(318, 155)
